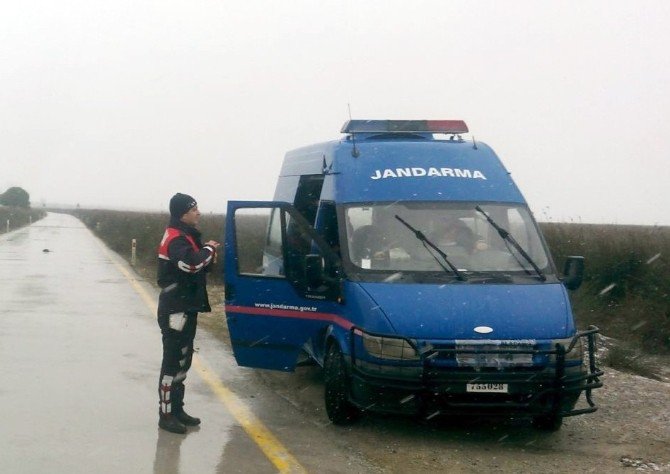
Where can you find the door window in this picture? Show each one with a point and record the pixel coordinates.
(274, 242)
(259, 242)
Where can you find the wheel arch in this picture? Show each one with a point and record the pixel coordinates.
(335, 335)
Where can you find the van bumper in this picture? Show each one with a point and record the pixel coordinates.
(425, 388)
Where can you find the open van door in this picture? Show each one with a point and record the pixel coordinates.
(283, 283)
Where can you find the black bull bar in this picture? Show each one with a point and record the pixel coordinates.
(555, 388)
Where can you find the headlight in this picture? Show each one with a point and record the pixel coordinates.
(394, 348)
(577, 352)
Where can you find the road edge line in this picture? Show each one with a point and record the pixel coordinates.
(257, 431)
(273, 449)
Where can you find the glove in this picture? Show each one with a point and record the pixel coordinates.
(177, 321)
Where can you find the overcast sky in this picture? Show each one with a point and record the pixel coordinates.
(120, 104)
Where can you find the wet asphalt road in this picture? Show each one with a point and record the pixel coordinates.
(80, 353)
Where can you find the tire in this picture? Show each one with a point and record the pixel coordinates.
(551, 422)
(337, 387)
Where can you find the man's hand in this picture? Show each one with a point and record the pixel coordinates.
(213, 243)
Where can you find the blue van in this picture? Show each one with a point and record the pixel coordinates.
(404, 260)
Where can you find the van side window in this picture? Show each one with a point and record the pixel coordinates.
(298, 245)
(307, 196)
(310, 266)
(273, 257)
(273, 243)
(326, 225)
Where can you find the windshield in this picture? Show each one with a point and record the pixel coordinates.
(378, 239)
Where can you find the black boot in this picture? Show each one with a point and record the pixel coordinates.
(178, 391)
(187, 419)
(172, 424)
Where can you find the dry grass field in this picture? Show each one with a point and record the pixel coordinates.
(625, 291)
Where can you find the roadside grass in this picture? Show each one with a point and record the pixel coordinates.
(633, 360)
(118, 228)
(626, 281)
(18, 217)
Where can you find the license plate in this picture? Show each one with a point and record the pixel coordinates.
(487, 387)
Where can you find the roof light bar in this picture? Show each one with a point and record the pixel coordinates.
(405, 126)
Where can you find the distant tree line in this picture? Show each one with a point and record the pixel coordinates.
(15, 196)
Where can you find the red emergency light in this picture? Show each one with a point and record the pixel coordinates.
(405, 126)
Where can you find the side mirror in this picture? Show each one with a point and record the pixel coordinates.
(314, 270)
(573, 272)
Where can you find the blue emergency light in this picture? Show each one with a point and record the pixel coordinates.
(405, 126)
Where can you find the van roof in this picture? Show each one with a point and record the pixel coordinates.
(403, 165)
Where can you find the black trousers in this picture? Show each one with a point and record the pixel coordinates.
(177, 357)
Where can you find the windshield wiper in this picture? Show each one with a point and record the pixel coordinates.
(505, 235)
(421, 236)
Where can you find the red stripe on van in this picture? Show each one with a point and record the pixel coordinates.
(284, 313)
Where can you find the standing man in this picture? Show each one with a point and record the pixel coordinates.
(183, 262)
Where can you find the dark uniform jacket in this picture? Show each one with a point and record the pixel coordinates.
(182, 265)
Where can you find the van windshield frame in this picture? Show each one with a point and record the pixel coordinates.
(377, 247)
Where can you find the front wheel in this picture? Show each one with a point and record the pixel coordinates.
(338, 407)
(551, 422)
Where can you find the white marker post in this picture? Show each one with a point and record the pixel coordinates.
(133, 253)
(7, 225)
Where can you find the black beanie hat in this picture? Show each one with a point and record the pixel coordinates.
(180, 204)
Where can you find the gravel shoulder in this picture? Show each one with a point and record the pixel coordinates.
(630, 431)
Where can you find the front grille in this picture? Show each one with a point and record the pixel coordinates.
(497, 356)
